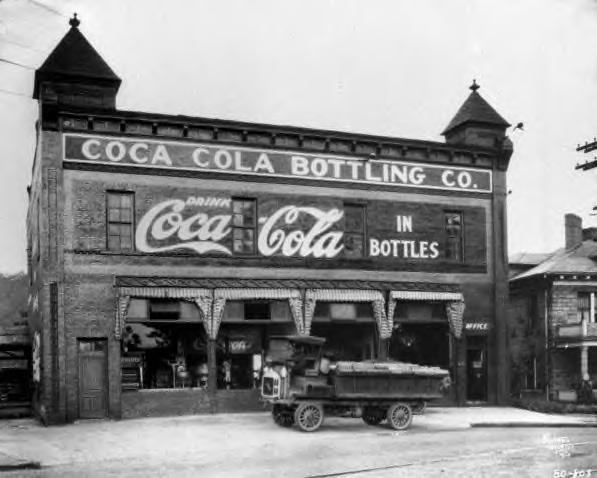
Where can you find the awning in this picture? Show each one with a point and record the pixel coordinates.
(349, 295)
(425, 295)
(253, 293)
(454, 305)
(293, 296)
(163, 292)
(202, 297)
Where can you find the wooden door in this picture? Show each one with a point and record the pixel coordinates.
(92, 378)
(476, 369)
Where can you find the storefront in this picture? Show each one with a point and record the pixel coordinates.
(166, 251)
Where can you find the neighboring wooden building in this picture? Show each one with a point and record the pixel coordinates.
(165, 250)
(553, 329)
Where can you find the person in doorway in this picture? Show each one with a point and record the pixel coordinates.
(226, 369)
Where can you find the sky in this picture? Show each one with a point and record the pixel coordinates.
(387, 67)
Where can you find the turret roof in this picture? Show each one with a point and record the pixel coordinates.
(476, 109)
(74, 57)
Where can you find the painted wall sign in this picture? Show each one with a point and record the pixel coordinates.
(174, 219)
(182, 224)
(144, 153)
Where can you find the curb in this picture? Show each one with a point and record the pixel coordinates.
(532, 425)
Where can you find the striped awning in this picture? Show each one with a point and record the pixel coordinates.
(163, 292)
(345, 295)
(425, 295)
(249, 293)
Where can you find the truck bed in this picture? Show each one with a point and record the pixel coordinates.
(387, 380)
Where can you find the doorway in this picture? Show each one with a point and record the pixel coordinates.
(92, 378)
(476, 369)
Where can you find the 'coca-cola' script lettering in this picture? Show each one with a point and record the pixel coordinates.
(318, 241)
(202, 233)
(199, 232)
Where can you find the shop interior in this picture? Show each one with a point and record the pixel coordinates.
(349, 329)
(421, 334)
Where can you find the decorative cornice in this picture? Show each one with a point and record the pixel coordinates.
(205, 130)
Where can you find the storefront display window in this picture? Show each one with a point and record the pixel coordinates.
(243, 337)
(421, 334)
(348, 327)
(164, 346)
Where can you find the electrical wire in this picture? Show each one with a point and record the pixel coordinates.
(22, 45)
(4, 60)
(2, 90)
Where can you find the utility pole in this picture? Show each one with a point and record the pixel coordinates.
(587, 148)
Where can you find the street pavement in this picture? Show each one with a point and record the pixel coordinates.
(484, 441)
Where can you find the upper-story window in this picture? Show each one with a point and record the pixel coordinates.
(244, 222)
(354, 230)
(584, 306)
(454, 242)
(120, 207)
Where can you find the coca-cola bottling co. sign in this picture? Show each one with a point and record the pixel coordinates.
(204, 225)
(228, 160)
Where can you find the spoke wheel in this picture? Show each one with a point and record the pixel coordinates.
(309, 416)
(400, 416)
(283, 416)
(372, 415)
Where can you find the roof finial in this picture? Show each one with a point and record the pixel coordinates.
(474, 87)
(74, 22)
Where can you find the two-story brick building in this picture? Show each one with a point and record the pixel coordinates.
(165, 250)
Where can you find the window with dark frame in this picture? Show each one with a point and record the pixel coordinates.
(244, 222)
(354, 230)
(120, 208)
(584, 306)
(453, 229)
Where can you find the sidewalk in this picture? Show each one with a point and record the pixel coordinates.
(26, 444)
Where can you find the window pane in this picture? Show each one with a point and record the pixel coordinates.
(354, 218)
(238, 246)
(237, 220)
(113, 200)
(113, 243)
(126, 200)
(353, 245)
(126, 215)
(114, 215)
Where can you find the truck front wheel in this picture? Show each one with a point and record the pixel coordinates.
(283, 416)
(400, 416)
(308, 416)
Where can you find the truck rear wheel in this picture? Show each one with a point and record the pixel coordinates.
(400, 416)
(373, 415)
(308, 416)
(283, 416)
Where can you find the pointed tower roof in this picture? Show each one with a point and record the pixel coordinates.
(74, 59)
(476, 110)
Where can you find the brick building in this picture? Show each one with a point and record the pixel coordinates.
(165, 250)
(553, 329)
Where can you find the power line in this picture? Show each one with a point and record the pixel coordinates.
(2, 90)
(22, 45)
(4, 60)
